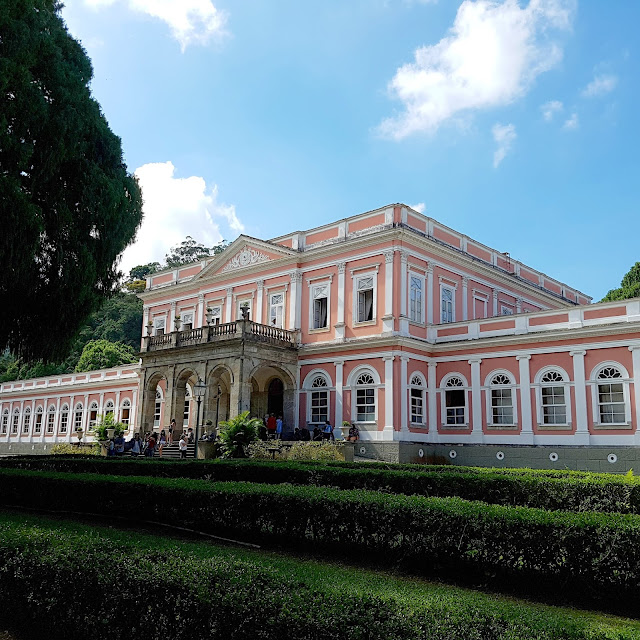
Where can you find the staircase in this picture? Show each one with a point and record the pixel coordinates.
(172, 451)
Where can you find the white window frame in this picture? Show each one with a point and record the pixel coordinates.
(26, 421)
(63, 425)
(443, 400)
(356, 277)
(159, 322)
(625, 380)
(313, 286)
(93, 406)
(485, 303)
(109, 407)
(240, 302)
(452, 288)
(423, 397)
(353, 387)
(187, 317)
(37, 423)
(489, 387)
(157, 407)
(565, 384)
(271, 306)
(125, 406)
(310, 390)
(4, 430)
(188, 397)
(216, 312)
(420, 277)
(506, 310)
(15, 422)
(78, 411)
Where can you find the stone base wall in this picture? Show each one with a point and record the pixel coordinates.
(33, 448)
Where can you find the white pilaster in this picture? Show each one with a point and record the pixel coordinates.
(526, 432)
(432, 391)
(199, 321)
(388, 398)
(170, 326)
(340, 311)
(56, 422)
(296, 419)
(228, 305)
(295, 300)
(72, 404)
(404, 257)
(257, 312)
(404, 394)
(635, 375)
(476, 400)
(495, 302)
(387, 320)
(430, 299)
(339, 391)
(32, 422)
(134, 409)
(518, 305)
(580, 386)
(465, 298)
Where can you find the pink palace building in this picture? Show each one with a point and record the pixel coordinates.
(436, 346)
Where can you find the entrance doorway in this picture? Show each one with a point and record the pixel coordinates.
(275, 398)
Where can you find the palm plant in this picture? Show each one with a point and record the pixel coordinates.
(238, 433)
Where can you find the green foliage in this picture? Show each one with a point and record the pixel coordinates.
(296, 450)
(102, 354)
(143, 270)
(190, 251)
(67, 203)
(68, 449)
(586, 557)
(629, 287)
(212, 591)
(237, 434)
(135, 286)
(106, 422)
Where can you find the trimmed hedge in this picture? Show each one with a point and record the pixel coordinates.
(74, 583)
(586, 492)
(587, 557)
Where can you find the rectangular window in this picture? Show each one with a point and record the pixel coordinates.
(455, 401)
(246, 304)
(366, 405)
(319, 406)
(554, 409)
(26, 422)
(365, 299)
(51, 417)
(505, 311)
(320, 306)
(501, 406)
(611, 403)
(415, 299)
(479, 308)
(446, 304)
(216, 315)
(417, 406)
(14, 424)
(64, 421)
(276, 310)
(93, 417)
(125, 417)
(186, 318)
(158, 326)
(5, 422)
(37, 427)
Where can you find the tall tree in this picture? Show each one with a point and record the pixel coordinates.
(102, 354)
(189, 251)
(629, 287)
(67, 202)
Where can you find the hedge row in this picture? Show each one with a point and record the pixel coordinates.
(76, 584)
(595, 492)
(589, 557)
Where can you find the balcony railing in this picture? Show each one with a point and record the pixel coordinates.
(240, 329)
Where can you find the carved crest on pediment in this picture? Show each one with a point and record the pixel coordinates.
(245, 258)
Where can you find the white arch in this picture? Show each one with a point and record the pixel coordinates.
(423, 380)
(497, 372)
(547, 369)
(454, 374)
(608, 363)
(358, 371)
(313, 374)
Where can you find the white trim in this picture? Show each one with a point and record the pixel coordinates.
(488, 388)
(566, 385)
(422, 279)
(423, 389)
(355, 293)
(448, 287)
(593, 382)
(443, 405)
(313, 284)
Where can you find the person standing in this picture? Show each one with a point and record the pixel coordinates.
(119, 444)
(279, 427)
(327, 432)
(135, 445)
(172, 426)
(151, 445)
(271, 426)
(183, 446)
(161, 442)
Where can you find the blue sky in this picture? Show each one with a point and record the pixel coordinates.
(513, 122)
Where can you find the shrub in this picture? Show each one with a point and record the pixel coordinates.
(66, 448)
(301, 451)
(237, 434)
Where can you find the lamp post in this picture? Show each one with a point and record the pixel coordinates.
(218, 407)
(199, 389)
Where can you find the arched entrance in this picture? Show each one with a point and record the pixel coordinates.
(275, 397)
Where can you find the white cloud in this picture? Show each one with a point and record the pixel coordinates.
(173, 209)
(600, 85)
(490, 57)
(549, 109)
(191, 21)
(420, 207)
(504, 136)
(572, 122)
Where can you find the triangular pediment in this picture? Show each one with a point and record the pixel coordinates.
(243, 253)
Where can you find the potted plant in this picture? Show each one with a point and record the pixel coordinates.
(177, 322)
(149, 328)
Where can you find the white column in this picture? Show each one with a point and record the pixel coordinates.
(580, 387)
(56, 422)
(476, 400)
(134, 408)
(33, 417)
(72, 403)
(296, 419)
(404, 394)
(404, 257)
(101, 404)
(340, 314)
(257, 312)
(635, 375)
(430, 299)
(170, 326)
(495, 302)
(117, 407)
(145, 321)
(199, 320)
(432, 399)
(388, 398)
(228, 305)
(295, 300)
(339, 365)
(465, 298)
(526, 433)
(387, 320)
(518, 305)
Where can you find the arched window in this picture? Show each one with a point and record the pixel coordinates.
(64, 418)
(16, 421)
(108, 408)
(26, 420)
(187, 406)
(319, 397)
(158, 408)
(611, 402)
(77, 416)
(501, 400)
(125, 412)
(37, 427)
(417, 399)
(5, 422)
(455, 402)
(93, 415)
(553, 399)
(365, 398)
(51, 418)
